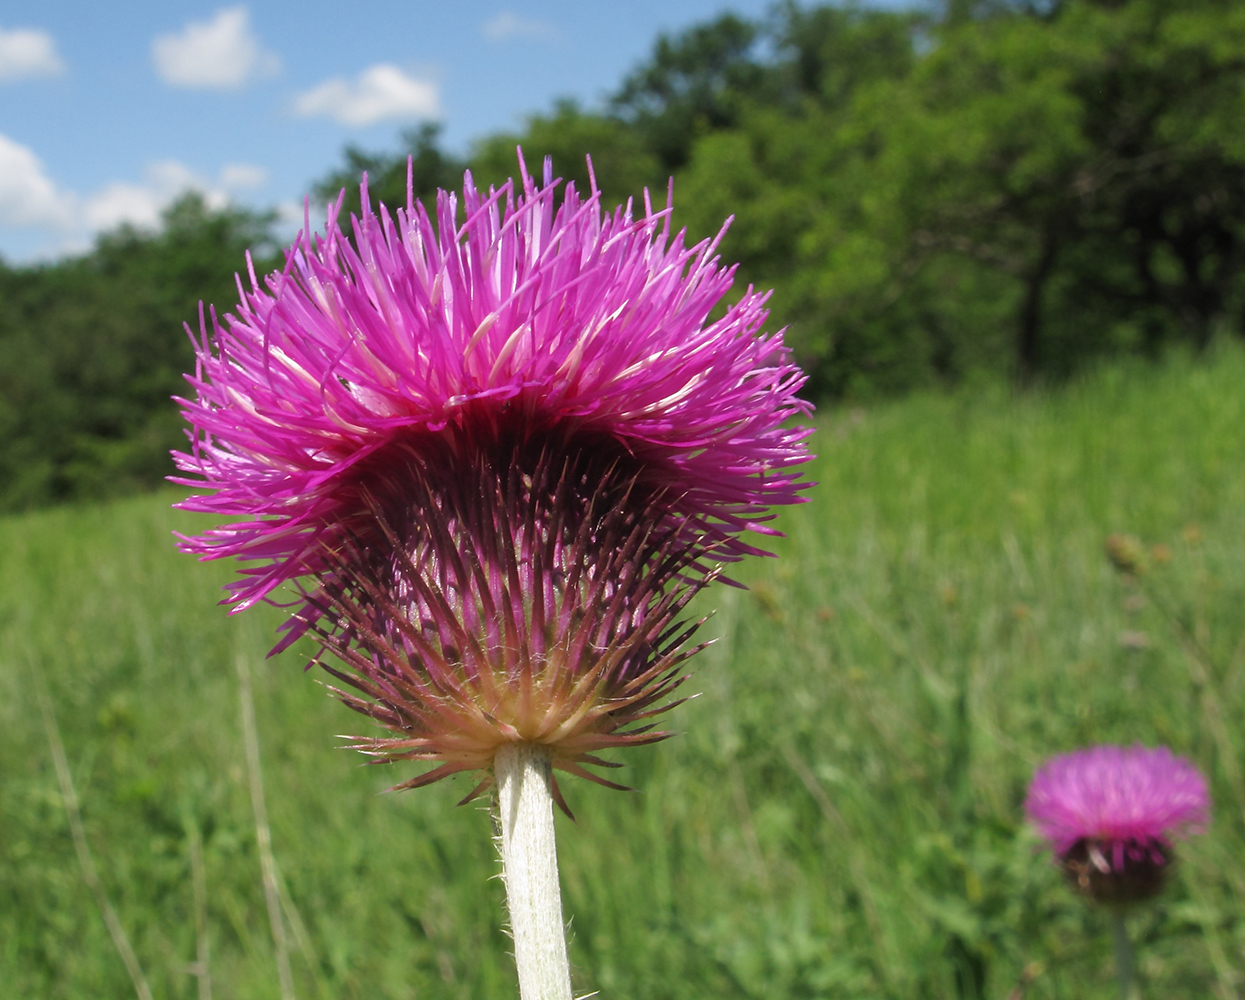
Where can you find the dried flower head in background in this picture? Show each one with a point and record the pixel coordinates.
(1111, 813)
(497, 454)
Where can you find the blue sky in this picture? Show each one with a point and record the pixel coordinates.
(107, 111)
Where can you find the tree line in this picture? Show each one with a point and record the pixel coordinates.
(1013, 188)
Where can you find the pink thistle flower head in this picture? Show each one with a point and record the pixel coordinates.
(496, 448)
(1110, 815)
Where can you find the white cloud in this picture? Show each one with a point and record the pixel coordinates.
(122, 203)
(380, 93)
(136, 204)
(220, 54)
(164, 181)
(242, 175)
(28, 197)
(508, 25)
(290, 218)
(67, 220)
(27, 52)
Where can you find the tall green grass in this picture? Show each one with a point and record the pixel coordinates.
(841, 816)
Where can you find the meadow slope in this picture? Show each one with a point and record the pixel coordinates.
(840, 815)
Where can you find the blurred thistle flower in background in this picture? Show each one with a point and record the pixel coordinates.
(496, 457)
(1111, 814)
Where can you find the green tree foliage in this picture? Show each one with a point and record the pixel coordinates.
(1012, 188)
(430, 168)
(622, 163)
(94, 347)
(797, 170)
(693, 83)
(1086, 163)
(1024, 192)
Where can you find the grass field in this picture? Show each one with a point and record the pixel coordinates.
(840, 816)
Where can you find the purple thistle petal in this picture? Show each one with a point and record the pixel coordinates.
(530, 313)
(498, 457)
(1117, 794)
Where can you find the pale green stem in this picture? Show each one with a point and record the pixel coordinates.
(530, 867)
(198, 880)
(1124, 957)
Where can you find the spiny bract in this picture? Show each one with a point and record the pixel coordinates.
(497, 456)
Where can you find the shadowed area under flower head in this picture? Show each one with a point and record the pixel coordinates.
(497, 454)
(1110, 814)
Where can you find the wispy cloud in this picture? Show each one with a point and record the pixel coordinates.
(141, 204)
(508, 25)
(235, 176)
(26, 53)
(221, 54)
(381, 93)
(29, 199)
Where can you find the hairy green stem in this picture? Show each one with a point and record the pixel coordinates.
(530, 866)
(1124, 958)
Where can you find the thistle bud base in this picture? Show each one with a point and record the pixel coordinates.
(1117, 873)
